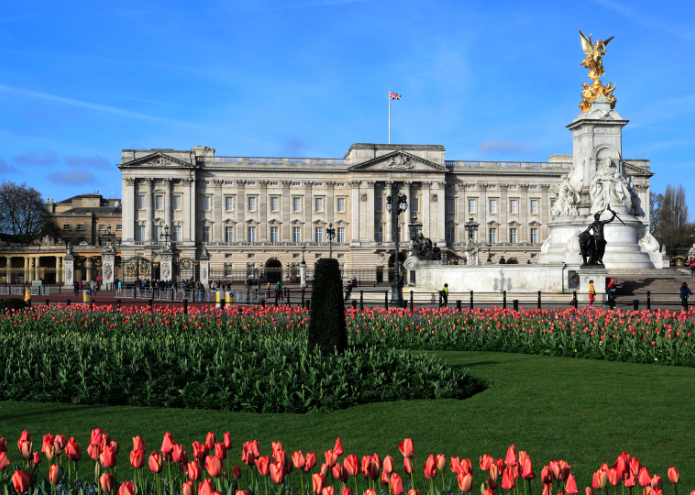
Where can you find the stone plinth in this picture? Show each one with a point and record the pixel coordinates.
(586, 275)
(69, 268)
(108, 264)
(165, 266)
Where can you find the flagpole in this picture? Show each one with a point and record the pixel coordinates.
(389, 115)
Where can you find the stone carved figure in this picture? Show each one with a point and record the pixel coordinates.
(546, 245)
(568, 194)
(108, 271)
(421, 247)
(68, 249)
(68, 275)
(594, 245)
(608, 186)
(573, 244)
(166, 271)
(634, 199)
(648, 243)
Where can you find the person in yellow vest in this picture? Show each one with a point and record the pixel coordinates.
(592, 293)
(445, 295)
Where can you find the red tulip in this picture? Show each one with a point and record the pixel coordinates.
(331, 458)
(156, 463)
(188, 488)
(384, 478)
(338, 448)
(351, 465)
(510, 460)
(396, 483)
(54, 474)
(485, 462)
(200, 451)
(4, 461)
(430, 467)
(206, 488)
(178, 455)
(318, 482)
(3, 444)
(36, 458)
(571, 486)
(465, 482)
(60, 441)
(127, 488)
(548, 489)
(345, 491)
(139, 443)
(213, 464)
(522, 457)
(220, 451)
(310, 462)
(227, 441)
(630, 481)
(441, 461)
(494, 472)
(613, 477)
(277, 472)
(508, 479)
(412, 491)
(72, 450)
(621, 466)
(298, 460)
(407, 465)
(656, 481)
(137, 459)
(168, 443)
(20, 480)
(546, 475)
(194, 471)
(242, 492)
(564, 469)
(210, 440)
(527, 471)
(407, 448)
(108, 457)
(106, 482)
(588, 491)
(601, 478)
(96, 437)
(488, 492)
(644, 479)
(26, 449)
(370, 491)
(328, 490)
(94, 451)
(673, 475)
(48, 442)
(236, 472)
(634, 467)
(262, 464)
(339, 472)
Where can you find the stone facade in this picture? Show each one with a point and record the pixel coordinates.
(250, 211)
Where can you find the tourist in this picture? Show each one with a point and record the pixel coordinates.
(278, 289)
(685, 292)
(502, 261)
(348, 289)
(592, 293)
(445, 295)
(692, 267)
(119, 286)
(611, 291)
(76, 288)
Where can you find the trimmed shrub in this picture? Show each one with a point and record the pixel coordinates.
(12, 304)
(327, 318)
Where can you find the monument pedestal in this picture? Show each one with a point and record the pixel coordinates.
(108, 262)
(166, 266)
(69, 270)
(586, 275)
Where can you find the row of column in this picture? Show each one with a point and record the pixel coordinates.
(31, 268)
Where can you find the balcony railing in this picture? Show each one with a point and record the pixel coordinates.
(531, 165)
(272, 161)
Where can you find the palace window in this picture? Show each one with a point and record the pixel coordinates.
(296, 183)
(415, 205)
(378, 204)
(159, 202)
(379, 234)
(492, 186)
(533, 188)
(450, 205)
(273, 183)
(341, 205)
(229, 203)
(205, 202)
(450, 234)
(158, 233)
(274, 234)
(66, 227)
(513, 206)
(119, 227)
(80, 226)
(139, 232)
(141, 201)
(177, 201)
(340, 184)
(296, 234)
(552, 203)
(251, 183)
(471, 206)
(252, 203)
(514, 187)
(493, 235)
(296, 204)
(534, 206)
(102, 226)
(206, 233)
(318, 184)
(341, 234)
(534, 235)
(472, 236)
(512, 235)
(251, 234)
(176, 233)
(274, 203)
(229, 234)
(318, 205)
(318, 234)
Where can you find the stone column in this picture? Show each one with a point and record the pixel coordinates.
(69, 270)
(285, 211)
(88, 275)
(149, 211)
(167, 204)
(440, 221)
(407, 214)
(370, 212)
(263, 211)
(129, 210)
(8, 270)
(524, 213)
(330, 207)
(57, 269)
(426, 221)
(192, 209)
(186, 209)
(307, 211)
(462, 216)
(240, 231)
(302, 274)
(26, 270)
(504, 209)
(388, 237)
(545, 211)
(217, 211)
(482, 210)
(355, 210)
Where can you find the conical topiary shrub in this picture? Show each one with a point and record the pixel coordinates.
(327, 322)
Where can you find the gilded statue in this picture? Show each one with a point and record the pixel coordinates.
(594, 62)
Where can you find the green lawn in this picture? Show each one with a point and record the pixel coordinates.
(583, 411)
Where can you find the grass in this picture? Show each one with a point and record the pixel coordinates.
(584, 411)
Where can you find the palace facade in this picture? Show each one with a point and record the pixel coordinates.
(246, 214)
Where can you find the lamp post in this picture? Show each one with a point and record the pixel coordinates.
(302, 269)
(471, 227)
(395, 205)
(330, 233)
(165, 237)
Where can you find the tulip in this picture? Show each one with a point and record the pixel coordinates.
(324, 470)
(555, 470)
(621, 466)
(488, 492)
(351, 465)
(213, 464)
(466, 466)
(602, 478)
(630, 481)
(318, 482)
(328, 490)
(494, 472)
(220, 451)
(3, 444)
(408, 465)
(430, 468)
(548, 489)
(508, 479)
(338, 448)
(613, 477)
(96, 437)
(412, 491)
(200, 451)
(644, 479)
(298, 460)
(345, 491)
(673, 475)
(114, 446)
(236, 472)
(60, 441)
(206, 488)
(384, 477)
(54, 474)
(634, 467)
(167, 443)
(106, 482)
(407, 448)
(527, 471)
(310, 462)
(48, 442)
(242, 492)
(227, 441)
(72, 450)
(331, 458)
(571, 486)
(4, 461)
(485, 462)
(210, 440)
(510, 460)
(339, 471)
(564, 469)
(522, 457)
(546, 475)
(137, 459)
(397, 487)
(139, 443)
(94, 451)
(441, 462)
(127, 488)
(26, 449)
(370, 491)
(491, 483)
(36, 459)
(108, 457)
(656, 481)
(262, 465)
(465, 482)
(20, 481)
(156, 462)
(188, 488)
(455, 465)
(194, 471)
(588, 491)
(277, 472)
(178, 455)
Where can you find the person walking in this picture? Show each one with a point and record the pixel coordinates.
(611, 291)
(445, 295)
(76, 288)
(348, 290)
(692, 267)
(685, 293)
(592, 293)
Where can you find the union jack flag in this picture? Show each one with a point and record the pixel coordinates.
(394, 96)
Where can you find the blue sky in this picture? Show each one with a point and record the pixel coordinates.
(490, 80)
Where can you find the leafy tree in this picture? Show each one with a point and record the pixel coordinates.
(23, 215)
(668, 214)
(327, 323)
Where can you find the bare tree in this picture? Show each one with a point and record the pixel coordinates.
(669, 217)
(23, 214)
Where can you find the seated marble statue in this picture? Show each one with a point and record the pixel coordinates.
(608, 186)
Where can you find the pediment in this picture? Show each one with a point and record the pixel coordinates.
(398, 161)
(157, 160)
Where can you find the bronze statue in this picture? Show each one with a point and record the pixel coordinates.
(593, 246)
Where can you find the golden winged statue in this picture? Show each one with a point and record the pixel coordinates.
(594, 62)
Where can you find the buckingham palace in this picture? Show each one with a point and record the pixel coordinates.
(243, 214)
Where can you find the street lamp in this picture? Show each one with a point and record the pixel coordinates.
(471, 227)
(330, 233)
(303, 251)
(395, 205)
(165, 237)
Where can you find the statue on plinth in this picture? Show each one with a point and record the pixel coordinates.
(421, 247)
(594, 62)
(608, 186)
(593, 246)
(568, 194)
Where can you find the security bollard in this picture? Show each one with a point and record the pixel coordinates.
(288, 297)
(515, 304)
(635, 304)
(574, 299)
(68, 302)
(504, 299)
(386, 299)
(354, 305)
(303, 294)
(649, 300)
(222, 300)
(458, 305)
(411, 300)
(263, 303)
(308, 304)
(48, 302)
(91, 303)
(28, 303)
(471, 300)
(149, 303)
(185, 306)
(539, 299)
(118, 303)
(362, 300)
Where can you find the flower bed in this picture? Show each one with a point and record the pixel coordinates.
(208, 469)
